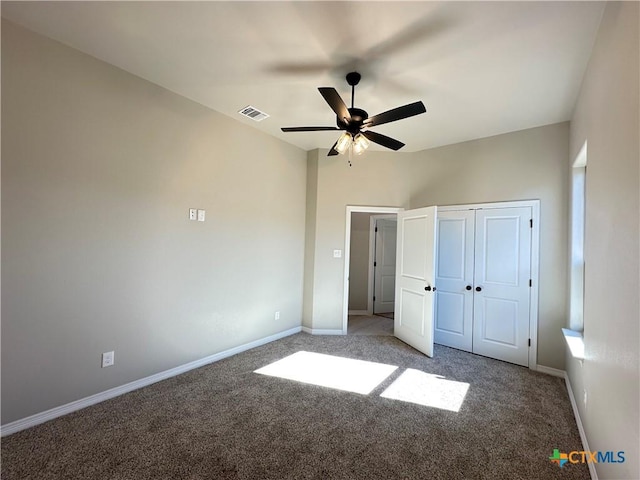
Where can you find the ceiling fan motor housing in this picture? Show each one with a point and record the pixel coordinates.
(358, 116)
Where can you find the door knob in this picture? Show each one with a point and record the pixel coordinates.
(478, 289)
(428, 288)
(468, 287)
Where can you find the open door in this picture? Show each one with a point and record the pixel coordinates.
(415, 278)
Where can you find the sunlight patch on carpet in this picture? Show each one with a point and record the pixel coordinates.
(426, 389)
(357, 376)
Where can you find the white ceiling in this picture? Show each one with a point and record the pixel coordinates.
(481, 68)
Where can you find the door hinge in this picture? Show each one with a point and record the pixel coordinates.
(375, 264)
(529, 342)
(531, 223)
(530, 283)
(374, 298)
(376, 230)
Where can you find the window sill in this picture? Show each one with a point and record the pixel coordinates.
(575, 342)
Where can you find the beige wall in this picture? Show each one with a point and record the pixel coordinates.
(530, 164)
(606, 116)
(359, 261)
(99, 170)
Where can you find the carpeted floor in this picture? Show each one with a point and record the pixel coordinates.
(224, 421)
(369, 325)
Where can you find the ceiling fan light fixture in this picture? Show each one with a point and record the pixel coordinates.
(360, 144)
(343, 143)
(356, 122)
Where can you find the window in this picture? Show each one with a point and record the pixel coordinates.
(578, 190)
(573, 335)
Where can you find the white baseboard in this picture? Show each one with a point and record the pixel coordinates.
(56, 412)
(551, 371)
(321, 331)
(583, 435)
(358, 312)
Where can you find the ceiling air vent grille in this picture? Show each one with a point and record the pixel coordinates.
(253, 113)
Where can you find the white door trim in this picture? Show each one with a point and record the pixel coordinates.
(347, 256)
(478, 206)
(535, 262)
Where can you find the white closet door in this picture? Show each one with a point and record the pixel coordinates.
(501, 287)
(454, 279)
(415, 278)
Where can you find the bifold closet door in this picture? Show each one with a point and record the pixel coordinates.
(483, 272)
(502, 273)
(453, 321)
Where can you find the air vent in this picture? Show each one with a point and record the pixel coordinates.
(253, 113)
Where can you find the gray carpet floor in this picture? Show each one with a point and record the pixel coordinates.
(223, 421)
(370, 325)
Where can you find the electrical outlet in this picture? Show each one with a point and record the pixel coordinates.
(277, 315)
(108, 359)
(584, 399)
(201, 215)
(192, 214)
(337, 253)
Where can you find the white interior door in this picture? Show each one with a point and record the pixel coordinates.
(502, 284)
(454, 279)
(385, 266)
(415, 278)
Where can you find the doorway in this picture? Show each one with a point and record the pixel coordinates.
(381, 212)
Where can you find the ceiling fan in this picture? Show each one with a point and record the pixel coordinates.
(356, 122)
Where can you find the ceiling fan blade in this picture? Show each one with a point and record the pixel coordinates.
(383, 140)
(308, 129)
(336, 103)
(399, 113)
(333, 150)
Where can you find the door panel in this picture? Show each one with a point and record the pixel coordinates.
(388, 293)
(414, 255)
(449, 313)
(501, 249)
(385, 269)
(412, 307)
(502, 293)
(415, 277)
(501, 321)
(454, 272)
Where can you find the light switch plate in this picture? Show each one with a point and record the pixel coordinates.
(201, 215)
(108, 359)
(337, 253)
